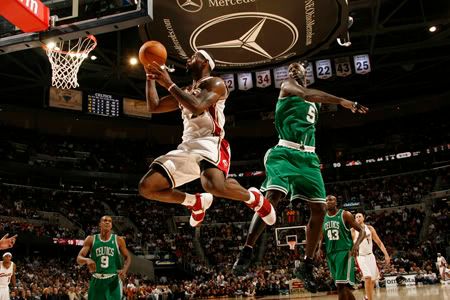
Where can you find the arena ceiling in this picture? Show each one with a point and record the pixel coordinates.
(407, 60)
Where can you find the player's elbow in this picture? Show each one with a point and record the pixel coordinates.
(151, 107)
(79, 260)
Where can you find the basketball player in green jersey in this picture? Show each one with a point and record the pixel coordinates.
(292, 166)
(105, 262)
(341, 251)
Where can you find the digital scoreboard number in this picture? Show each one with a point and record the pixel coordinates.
(103, 104)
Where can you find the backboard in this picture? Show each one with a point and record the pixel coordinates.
(285, 234)
(72, 19)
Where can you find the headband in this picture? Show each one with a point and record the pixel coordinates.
(7, 253)
(208, 58)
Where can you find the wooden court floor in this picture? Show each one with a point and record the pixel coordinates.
(424, 292)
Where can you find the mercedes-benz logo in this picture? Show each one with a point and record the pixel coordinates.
(268, 37)
(190, 5)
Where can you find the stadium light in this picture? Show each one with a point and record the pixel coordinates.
(133, 61)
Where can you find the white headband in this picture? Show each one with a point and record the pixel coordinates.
(7, 253)
(208, 58)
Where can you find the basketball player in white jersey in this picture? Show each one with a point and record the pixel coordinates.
(7, 275)
(203, 153)
(366, 260)
(441, 265)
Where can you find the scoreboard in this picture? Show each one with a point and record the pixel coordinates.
(103, 104)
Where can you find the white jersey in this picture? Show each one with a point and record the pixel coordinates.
(6, 274)
(441, 262)
(366, 246)
(207, 124)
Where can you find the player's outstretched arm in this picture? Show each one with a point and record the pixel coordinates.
(291, 87)
(124, 251)
(211, 90)
(7, 242)
(350, 222)
(380, 244)
(82, 258)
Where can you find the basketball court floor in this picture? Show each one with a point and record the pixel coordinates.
(424, 292)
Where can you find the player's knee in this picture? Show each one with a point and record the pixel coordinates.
(340, 287)
(144, 188)
(274, 197)
(147, 188)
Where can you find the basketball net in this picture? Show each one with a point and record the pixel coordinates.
(66, 58)
(292, 244)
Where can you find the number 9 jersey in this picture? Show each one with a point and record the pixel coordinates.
(106, 255)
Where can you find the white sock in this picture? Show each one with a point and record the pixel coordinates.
(252, 198)
(189, 200)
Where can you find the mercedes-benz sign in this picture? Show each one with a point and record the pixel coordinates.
(244, 34)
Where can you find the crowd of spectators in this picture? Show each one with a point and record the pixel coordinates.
(133, 156)
(221, 243)
(37, 229)
(152, 231)
(389, 191)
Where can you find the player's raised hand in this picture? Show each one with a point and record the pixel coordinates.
(355, 107)
(91, 265)
(7, 242)
(159, 73)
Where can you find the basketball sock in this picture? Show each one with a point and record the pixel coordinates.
(189, 200)
(252, 198)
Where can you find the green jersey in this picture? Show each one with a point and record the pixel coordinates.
(106, 255)
(295, 120)
(336, 235)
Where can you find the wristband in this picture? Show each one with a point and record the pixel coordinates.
(171, 86)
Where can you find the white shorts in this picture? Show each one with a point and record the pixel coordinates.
(4, 293)
(368, 266)
(183, 165)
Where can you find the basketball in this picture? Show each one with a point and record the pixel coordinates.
(152, 51)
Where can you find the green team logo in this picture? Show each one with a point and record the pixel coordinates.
(104, 253)
(332, 229)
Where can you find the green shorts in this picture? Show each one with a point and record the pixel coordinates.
(105, 289)
(342, 267)
(294, 172)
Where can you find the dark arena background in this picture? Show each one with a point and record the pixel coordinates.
(74, 152)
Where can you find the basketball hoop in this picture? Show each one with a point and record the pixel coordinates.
(292, 244)
(66, 58)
